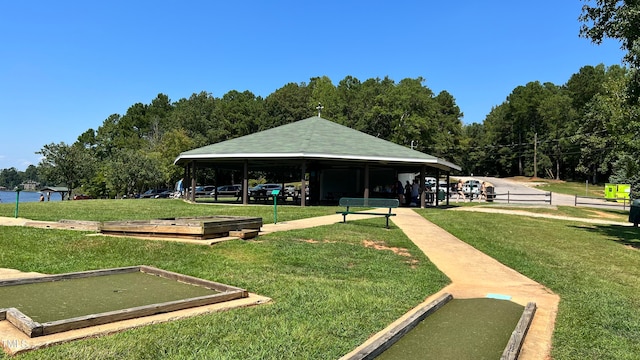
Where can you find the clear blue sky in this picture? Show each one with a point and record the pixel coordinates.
(65, 66)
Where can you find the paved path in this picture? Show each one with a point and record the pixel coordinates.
(473, 274)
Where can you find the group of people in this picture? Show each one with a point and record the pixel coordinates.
(409, 193)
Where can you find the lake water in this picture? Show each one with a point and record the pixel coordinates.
(25, 196)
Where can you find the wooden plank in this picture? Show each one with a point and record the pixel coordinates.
(76, 275)
(191, 280)
(152, 228)
(244, 233)
(141, 311)
(23, 322)
(512, 350)
(191, 228)
(381, 344)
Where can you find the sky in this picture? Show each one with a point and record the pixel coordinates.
(65, 66)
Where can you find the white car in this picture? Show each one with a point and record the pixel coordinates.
(471, 188)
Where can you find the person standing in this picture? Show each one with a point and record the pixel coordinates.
(415, 192)
(407, 193)
(399, 191)
(483, 191)
(460, 191)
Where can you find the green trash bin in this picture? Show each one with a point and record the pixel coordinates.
(442, 195)
(634, 212)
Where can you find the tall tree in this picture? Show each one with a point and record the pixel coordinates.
(10, 178)
(619, 20)
(448, 128)
(241, 113)
(198, 117)
(64, 164)
(602, 129)
(288, 104)
(322, 91)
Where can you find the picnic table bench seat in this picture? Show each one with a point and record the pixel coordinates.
(349, 203)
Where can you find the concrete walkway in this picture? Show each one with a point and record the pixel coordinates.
(473, 274)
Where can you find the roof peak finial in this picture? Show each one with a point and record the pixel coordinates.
(319, 108)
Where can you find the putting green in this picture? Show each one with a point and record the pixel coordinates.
(461, 329)
(65, 299)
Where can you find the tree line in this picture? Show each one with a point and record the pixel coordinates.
(587, 128)
(583, 129)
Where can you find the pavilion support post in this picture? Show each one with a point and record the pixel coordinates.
(216, 184)
(245, 182)
(303, 185)
(193, 181)
(185, 181)
(366, 180)
(437, 186)
(448, 187)
(423, 193)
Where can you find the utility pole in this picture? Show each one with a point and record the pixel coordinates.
(535, 155)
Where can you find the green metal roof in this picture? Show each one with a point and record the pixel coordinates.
(313, 138)
(55, 189)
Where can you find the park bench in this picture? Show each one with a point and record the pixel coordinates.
(350, 203)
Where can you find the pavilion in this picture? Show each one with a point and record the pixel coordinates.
(62, 190)
(338, 160)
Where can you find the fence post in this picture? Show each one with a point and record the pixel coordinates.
(550, 196)
(508, 197)
(575, 201)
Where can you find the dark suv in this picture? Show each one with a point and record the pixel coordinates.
(263, 190)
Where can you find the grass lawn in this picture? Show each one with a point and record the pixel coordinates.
(594, 268)
(573, 188)
(573, 211)
(142, 209)
(329, 291)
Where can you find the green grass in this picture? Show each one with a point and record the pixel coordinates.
(330, 292)
(142, 209)
(573, 188)
(594, 268)
(573, 211)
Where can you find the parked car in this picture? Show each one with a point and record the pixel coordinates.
(262, 190)
(81, 197)
(204, 190)
(290, 190)
(229, 190)
(164, 195)
(471, 188)
(151, 193)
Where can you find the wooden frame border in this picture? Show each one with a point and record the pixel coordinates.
(34, 329)
(386, 340)
(197, 228)
(512, 351)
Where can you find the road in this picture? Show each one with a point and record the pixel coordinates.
(512, 191)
